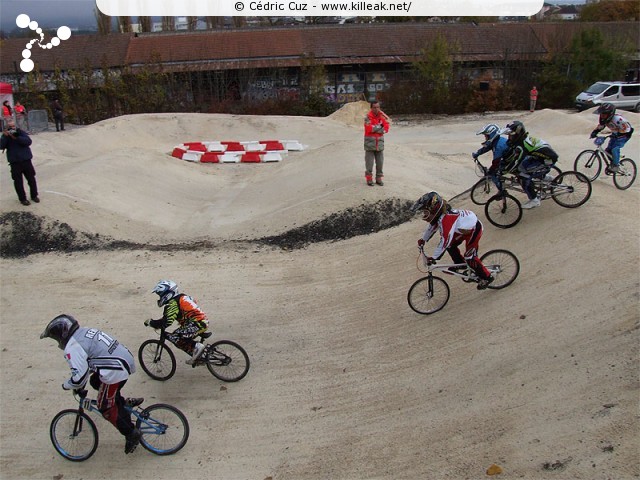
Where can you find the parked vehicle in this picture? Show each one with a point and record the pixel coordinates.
(622, 95)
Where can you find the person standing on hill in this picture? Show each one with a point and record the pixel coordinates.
(58, 114)
(17, 144)
(376, 124)
(533, 98)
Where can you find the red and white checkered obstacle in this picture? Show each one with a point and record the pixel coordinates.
(258, 151)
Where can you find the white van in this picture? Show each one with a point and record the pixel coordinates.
(622, 95)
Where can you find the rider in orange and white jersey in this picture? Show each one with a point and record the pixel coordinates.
(183, 309)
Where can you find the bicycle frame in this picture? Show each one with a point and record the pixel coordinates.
(148, 424)
(163, 340)
(511, 180)
(601, 150)
(466, 275)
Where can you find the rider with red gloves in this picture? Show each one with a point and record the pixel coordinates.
(455, 227)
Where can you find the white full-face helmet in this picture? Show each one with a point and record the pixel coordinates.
(490, 131)
(166, 290)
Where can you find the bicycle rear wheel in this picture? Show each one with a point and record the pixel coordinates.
(503, 210)
(483, 190)
(227, 361)
(504, 267)
(157, 360)
(428, 295)
(74, 435)
(571, 189)
(164, 428)
(626, 175)
(588, 163)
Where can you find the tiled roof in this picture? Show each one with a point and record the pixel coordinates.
(74, 53)
(283, 47)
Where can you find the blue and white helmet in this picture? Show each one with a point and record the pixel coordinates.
(490, 131)
(166, 290)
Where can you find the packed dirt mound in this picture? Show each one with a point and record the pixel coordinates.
(351, 113)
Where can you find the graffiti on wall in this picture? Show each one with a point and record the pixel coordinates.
(273, 88)
(353, 87)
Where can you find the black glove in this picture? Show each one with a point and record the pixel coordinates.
(594, 134)
(421, 242)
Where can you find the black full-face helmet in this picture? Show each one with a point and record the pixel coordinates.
(606, 112)
(433, 206)
(60, 329)
(517, 132)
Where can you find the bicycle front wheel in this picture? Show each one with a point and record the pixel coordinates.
(571, 189)
(157, 360)
(483, 190)
(504, 267)
(626, 174)
(588, 163)
(74, 435)
(227, 361)
(164, 428)
(503, 210)
(428, 295)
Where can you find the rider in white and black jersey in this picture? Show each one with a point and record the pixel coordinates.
(98, 358)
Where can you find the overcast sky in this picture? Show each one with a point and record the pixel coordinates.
(48, 13)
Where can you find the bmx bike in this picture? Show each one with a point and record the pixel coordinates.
(226, 360)
(485, 188)
(74, 435)
(430, 294)
(590, 162)
(569, 189)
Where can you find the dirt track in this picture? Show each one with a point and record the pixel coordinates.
(346, 381)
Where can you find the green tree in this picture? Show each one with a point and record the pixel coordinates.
(611, 11)
(592, 58)
(434, 70)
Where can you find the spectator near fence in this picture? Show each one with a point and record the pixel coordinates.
(21, 116)
(58, 114)
(7, 111)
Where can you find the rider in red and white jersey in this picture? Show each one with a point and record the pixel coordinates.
(455, 227)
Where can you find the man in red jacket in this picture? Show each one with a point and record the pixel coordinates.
(376, 124)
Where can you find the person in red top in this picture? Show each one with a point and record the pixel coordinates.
(7, 112)
(183, 309)
(376, 124)
(21, 115)
(533, 98)
(455, 227)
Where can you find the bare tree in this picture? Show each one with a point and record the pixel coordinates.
(124, 25)
(103, 21)
(214, 22)
(168, 24)
(192, 23)
(146, 24)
